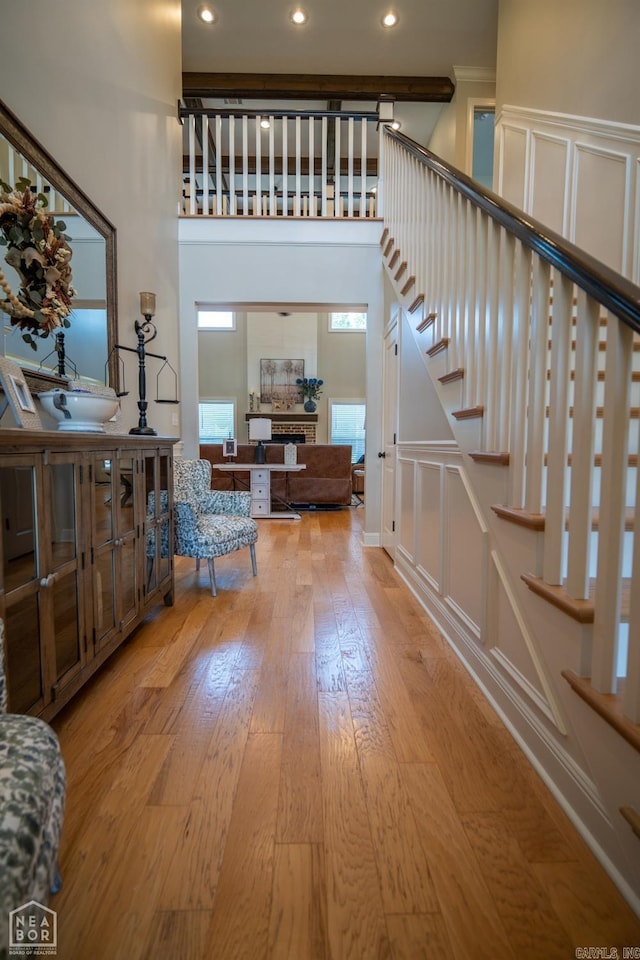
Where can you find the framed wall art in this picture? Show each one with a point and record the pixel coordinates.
(278, 381)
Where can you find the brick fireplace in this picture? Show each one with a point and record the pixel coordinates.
(289, 423)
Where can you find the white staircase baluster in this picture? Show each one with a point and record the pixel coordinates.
(561, 331)
(205, 165)
(632, 684)
(245, 165)
(363, 167)
(537, 399)
(192, 164)
(324, 167)
(297, 209)
(493, 366)
(272, 168)
(520, 369)
(615, 449)
(218, 142)
(285, 167)
(231, 126)
(311, 168)
(587, 335)
(336, 169)
(258, 191)
(350, 136)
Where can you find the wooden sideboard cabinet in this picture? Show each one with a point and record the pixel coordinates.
(87, 520)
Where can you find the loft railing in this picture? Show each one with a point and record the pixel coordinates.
(545, 340)
(279, 164)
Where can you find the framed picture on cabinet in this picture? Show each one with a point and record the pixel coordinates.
(17, 396)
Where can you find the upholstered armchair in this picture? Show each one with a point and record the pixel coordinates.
(209, 523)
(32, 795)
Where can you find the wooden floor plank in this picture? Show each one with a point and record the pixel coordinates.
(241, 913)
(354, 902)
(418, 937)
(179, 933)
(300, 800)
(298, 910)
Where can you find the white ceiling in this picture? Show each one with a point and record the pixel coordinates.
(344, 37)
(341, 37)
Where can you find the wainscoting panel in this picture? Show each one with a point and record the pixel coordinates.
(430, 535)
(405, 511)
(578, 175)
(513, 176)
(550, 172)
(601, 201)
(464, 553)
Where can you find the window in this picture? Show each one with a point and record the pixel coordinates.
(341, 322)
(216, 319)
(347, 425)
(216, 420)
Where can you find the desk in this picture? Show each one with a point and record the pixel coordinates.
(261, 486)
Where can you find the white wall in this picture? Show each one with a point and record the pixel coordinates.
(97, 84)
(315, 264)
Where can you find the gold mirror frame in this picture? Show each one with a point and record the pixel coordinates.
(20, 138)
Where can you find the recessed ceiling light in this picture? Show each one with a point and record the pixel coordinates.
(395, 125)
(206, 14)
(298, 16)
(265, 124)
(390, 19)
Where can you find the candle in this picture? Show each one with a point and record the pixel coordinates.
(147, 304)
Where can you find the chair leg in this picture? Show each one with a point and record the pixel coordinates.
(197, 563)
(252, 551)
(212, 576)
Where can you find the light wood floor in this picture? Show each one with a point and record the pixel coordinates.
(301, 768)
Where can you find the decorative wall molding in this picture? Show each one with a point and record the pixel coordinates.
(596, 181)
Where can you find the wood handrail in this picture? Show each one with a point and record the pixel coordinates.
(611, 289)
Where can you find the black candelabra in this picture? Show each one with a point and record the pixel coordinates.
(146, 332)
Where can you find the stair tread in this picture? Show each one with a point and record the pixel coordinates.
(468, 413)
(536, 521)
(452, 375)
(580, 610)
(608, 705)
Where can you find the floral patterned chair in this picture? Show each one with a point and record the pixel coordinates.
(32, 795)
(209, 523)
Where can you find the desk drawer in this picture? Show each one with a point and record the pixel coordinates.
(260, 508)
(259, 476)
(260, 491)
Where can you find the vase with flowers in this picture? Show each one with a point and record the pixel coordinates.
(38, 250)
(310, 388)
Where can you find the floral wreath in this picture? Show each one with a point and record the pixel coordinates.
(39, 252)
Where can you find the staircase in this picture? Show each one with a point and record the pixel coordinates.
(533, 351)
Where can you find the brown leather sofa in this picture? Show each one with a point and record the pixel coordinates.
(326, 479)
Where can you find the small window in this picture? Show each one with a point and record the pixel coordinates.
(347, 425)
(351, 322)
(216, 319)
(216, 420)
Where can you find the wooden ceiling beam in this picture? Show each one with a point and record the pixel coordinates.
(307, 86)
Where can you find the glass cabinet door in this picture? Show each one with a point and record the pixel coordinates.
(21, 567)
(62, 583)
(104, 490)
(126, 569)
(157, 468)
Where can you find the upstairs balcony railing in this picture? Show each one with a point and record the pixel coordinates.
(281, 164)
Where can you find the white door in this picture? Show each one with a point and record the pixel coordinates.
(389, 438)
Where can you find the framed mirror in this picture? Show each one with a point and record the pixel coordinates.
(90, 339)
